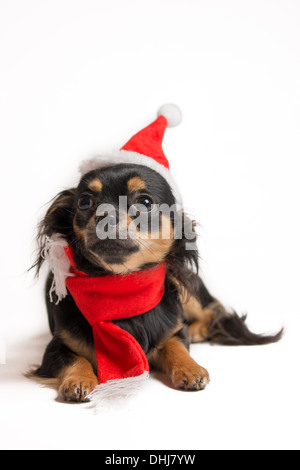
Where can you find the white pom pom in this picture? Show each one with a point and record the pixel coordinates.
(172, 113)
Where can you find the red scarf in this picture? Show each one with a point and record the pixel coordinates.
(114, 297)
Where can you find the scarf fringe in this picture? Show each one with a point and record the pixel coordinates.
(54, 253)
(115, 390)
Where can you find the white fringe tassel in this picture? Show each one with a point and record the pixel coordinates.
(59, 264)
(113, 391)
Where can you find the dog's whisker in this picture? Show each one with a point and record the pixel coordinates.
(147, 247)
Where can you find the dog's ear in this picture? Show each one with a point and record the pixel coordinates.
(183, 259)
(58, 219)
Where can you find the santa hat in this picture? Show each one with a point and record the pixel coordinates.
(144, 148)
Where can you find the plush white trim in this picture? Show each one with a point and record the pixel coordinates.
(126, 156)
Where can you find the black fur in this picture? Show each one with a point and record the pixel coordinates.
(230, 329)
(150, 328)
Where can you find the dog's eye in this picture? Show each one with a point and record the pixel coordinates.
(85, 202)
(144, 203)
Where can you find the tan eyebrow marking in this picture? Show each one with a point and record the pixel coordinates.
(95, 185)
(79, 232)
(136, 184)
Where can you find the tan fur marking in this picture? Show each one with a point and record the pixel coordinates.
(77, 381)
(82, 233)
(192, 307)
(52, 209)
(151, 250)
(79, 232)
(95, 185)
(198, 329)
(79, 347)
(174, 359)
(136, 184)
(153, 354)
(195, 313)
(148, 253)
(164, 240)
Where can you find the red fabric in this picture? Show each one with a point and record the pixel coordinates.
(149, 141)
(102, 299)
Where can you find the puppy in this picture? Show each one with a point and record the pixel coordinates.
(187, 312)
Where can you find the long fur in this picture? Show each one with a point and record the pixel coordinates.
(72, 335)
(230, 329)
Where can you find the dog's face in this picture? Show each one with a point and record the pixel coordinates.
(119, 219)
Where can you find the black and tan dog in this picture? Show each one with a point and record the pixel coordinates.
(187, 313)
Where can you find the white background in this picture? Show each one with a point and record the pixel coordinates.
(80, 77)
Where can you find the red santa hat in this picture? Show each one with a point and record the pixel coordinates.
(144, 148)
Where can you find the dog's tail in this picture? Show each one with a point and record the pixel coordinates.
(231, 329)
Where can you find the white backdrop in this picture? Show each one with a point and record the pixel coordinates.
(79, 77)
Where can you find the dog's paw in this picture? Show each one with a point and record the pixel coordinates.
(191, 378)
(76, 389)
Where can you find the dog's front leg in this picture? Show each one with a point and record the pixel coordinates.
(174, 359)
(77, 380)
